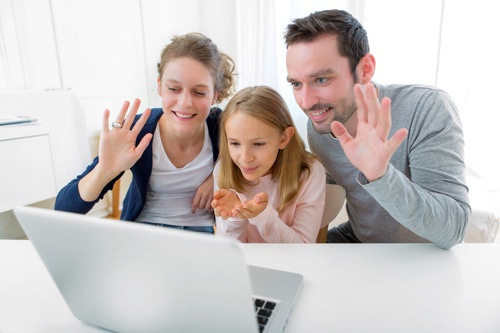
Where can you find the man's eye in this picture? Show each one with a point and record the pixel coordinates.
(295, 84)
(321, 80)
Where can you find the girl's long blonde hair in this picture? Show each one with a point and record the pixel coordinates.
(266, 105)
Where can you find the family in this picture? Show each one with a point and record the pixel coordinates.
(398, 150)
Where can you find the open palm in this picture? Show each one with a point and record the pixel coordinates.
(227, 204)
(370, 151)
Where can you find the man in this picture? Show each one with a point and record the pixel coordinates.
(405, 181)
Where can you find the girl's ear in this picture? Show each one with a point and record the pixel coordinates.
(159, 86)
(286, 136)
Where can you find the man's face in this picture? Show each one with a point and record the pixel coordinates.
(322, 82)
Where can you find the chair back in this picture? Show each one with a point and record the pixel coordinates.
(334, 200)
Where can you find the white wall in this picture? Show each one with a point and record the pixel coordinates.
(106, 50)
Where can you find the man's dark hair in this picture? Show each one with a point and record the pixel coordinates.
(352, 39)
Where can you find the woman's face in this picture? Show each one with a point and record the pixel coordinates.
(187, 93)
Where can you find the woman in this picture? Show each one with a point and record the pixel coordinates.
(170, 150)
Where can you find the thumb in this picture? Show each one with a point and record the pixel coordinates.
(220, 193)
(340, 132)
(261, 197)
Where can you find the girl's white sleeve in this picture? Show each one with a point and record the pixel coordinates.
(232, 227)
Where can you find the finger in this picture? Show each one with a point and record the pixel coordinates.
(264, 197)
(359, 97)
(384, 122)
(105, 121)
(261, 197)
(208, 206)
(141, 121)
(202, 204)
(241, 213)
(130, 117)
(397, 139)
(372, 104)
(194, 205)
(123, 111)
(220, 193)
(245, 212)
(198, 202)
(217, 194)
(340, 132)
(224, 215)
(143, 144)
(215, 203)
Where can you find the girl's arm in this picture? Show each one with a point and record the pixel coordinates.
(301, 220)
(228, 226)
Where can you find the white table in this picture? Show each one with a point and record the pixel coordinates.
(347, 288)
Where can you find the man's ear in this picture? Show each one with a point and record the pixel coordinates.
(366, 68)
(286, 136)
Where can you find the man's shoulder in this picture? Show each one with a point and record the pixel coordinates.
(407, 89)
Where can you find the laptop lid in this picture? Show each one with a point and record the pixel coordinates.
(130, 277)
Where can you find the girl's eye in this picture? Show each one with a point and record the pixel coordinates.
(260, 144)
(172, 89)
(200, 93)
(234, 143)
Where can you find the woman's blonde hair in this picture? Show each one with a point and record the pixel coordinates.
(266, 105)
(201, 48)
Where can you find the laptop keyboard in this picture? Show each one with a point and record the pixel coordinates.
(263, 310)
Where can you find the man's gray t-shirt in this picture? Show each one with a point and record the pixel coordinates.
(423, 196)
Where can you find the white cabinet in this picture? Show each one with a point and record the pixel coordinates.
(27, 172)
(37, 159)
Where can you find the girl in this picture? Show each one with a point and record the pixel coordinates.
(170, 150)
(268, 188)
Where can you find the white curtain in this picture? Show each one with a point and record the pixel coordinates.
(260, 26)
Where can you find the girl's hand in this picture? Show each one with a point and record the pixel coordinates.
(253, 207)
(227, 204)
(224, 202)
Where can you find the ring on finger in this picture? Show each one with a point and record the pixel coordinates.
(116, 124)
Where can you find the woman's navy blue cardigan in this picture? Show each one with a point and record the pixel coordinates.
(69, 199)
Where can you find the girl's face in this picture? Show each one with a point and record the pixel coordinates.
(187, 92)
(254, 145)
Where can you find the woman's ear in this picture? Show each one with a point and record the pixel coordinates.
(216, 95)
(286, 136)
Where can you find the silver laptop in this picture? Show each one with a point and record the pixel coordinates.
(134, 278)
